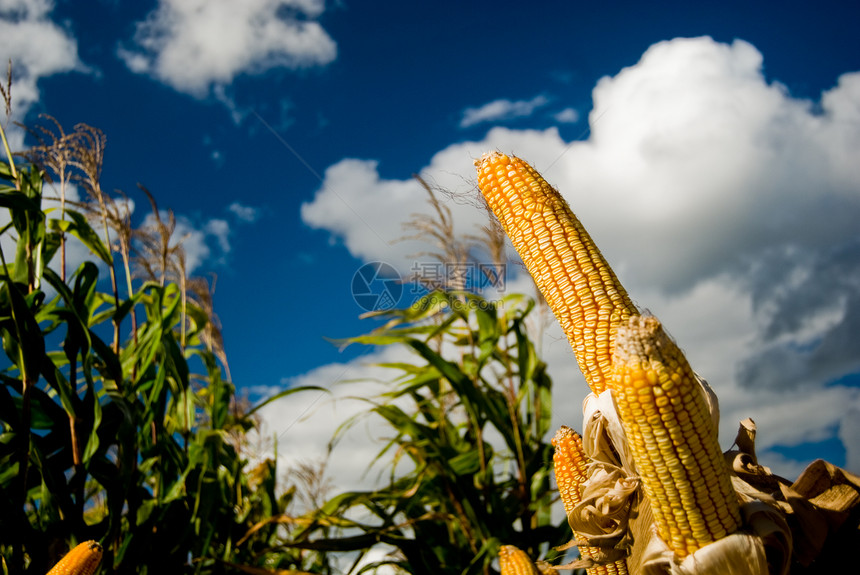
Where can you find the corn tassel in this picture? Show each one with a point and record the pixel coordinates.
(672, 438)
(82, 560)
(514, 561)
(573, 276)
(571, 465)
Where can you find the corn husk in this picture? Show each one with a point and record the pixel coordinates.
(810, 522)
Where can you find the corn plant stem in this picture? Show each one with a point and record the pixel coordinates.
(31, 270)
(473, 423)
(527, 517)
(125, 253)
(27, 382)
(79, 479)
(130, 292)
(105, 226)
(63, 216)
(479, 434)
(63, 256)
(183, 289)
(479, 438)
(461, 514)
(515, 424)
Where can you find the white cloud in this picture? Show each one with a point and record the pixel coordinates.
(37, 47)
(725, 205)
(351, 202)
(197, 45)
(500, 110)
(205, 242)
(567, 116)
(197, 241)
(219, 230)
(849, 433)
(244, 213)
(367, 213)
(304, 424)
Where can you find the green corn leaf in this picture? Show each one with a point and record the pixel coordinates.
(17, 201)
(281, 394)
(29, 343)
(78, 226)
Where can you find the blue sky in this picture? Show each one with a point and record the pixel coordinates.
(710, 150)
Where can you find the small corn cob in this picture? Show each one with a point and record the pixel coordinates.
(570, 465)
(672, 438)
(514, 561)
(82, 560)
(573, 276)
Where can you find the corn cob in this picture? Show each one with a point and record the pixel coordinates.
(672, 438)
(514, 561)
(82, 560)
(573, 276)
(570, 465)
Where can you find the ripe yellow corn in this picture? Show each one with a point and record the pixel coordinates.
(514, 561)
(571, 465)
(672, 438)
(82, 560)
(570, 271)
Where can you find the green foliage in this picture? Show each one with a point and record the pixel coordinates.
(116, 421)
(469, 419)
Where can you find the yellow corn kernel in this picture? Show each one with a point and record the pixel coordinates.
(82, 560)
(578, 284)
(570, 464)
(672, 438)
(514, 561)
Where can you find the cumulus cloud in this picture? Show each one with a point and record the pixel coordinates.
(200, 242)
(350, 201)
(500, 110)
(567, 116)
(849, 433)
(727, 207)
(367, 212)
(196, 46)
(244, 213)
(37, 47)
(206, 242)
(304, 424)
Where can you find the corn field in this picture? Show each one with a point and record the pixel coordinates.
(120, 430)
(118, 422)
